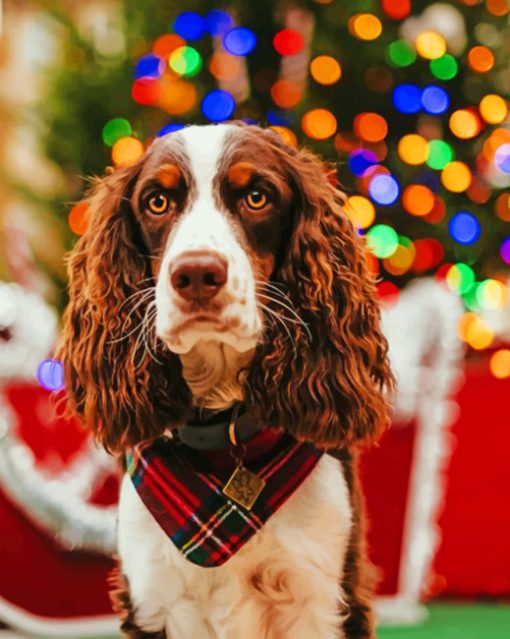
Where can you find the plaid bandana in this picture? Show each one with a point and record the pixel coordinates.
(204, 524)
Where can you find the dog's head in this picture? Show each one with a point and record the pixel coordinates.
(223, 235)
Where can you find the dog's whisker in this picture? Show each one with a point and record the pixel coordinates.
(149, 289)
(129, 315)
(280, 319)
(296, 319)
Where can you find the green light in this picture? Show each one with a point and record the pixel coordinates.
(470, 298)
(440, 154)
(382, 240)
(401, 53)
(460, 278)
(445, 67)
(115, 129)
(185, 61)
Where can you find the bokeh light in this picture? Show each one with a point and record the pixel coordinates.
(396, 9)
(288, 42)
(474, 331)
(480, 59)
(319, 124)
(50, 375)
(239, 41)
(413, 149)
(429, 252)
(286, 93)
(165, 44)
(149, 66)
(185, 61)
(401, 53)
(407, 98)
(439, 155)
(172, 127)
(497, 7)
(218, 22)
(177, 96)
(325, 70)
(384, 189)
(430, 45)
(504, 250)
(78, 218)
(365, 26)
(502, 206)
(127, 151)
(190, 25)
(382, 240)
(464, 228)
(146, 91)
(502, 158)
(418, 200)
(456, 177)
(287, 135)
(499, 363)
(360, 211)
(218, 105)
(360, 160)
(435, 100)
(465, 124)
(224, 66)
(445, 67)
(491, 295)
(115, 129)
(460, 277)
(493, 109)
(370, 127)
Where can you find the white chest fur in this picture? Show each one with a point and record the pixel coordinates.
(284, 583)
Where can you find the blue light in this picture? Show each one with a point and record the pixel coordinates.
(360, 160)
(407, 98)
(277, 117)
(218, 105)
(502, 158)
(149, 66)
(50, 374)
(464, 228)
(384, 189)
(239, 41)
(189, 25)
(170, 128)
(435, 100)
(218, 22)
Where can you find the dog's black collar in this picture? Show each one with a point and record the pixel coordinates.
(210, 430)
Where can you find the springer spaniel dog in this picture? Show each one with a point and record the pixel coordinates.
(223, 338)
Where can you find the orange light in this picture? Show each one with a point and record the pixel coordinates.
(493, 109)
(166, 44)
(500, 363)
(497, 7)
(401, 261)
(456, 177)
(430, 45)
(502, 207)
(177, 96)
(360, 211)
(325, 70)
(418, 200)
(371, 127)
(465, 124)
(365, 26)
(473, 330)
(78, 218)
(286, 134)
(480, 59)
(286, 94)
(413, 149)
(319, 124)
(127, 151)
(224, 66)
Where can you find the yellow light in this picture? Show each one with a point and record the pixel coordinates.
(319, 124)
(500, 363)
(413, 149)
(286, 134)
(325, 70)
(401, 261)
(493, 109)
(464, 124)
(492, 295)
(474, 331)
(430, 45)
(365, 26)
(127, 151)
(456, 177)
(360, 210)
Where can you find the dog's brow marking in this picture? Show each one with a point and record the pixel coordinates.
(240, 174)
(169, 175)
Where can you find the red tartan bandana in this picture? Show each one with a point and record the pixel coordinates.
(184, 494)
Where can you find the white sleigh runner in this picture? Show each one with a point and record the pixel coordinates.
(426, 356)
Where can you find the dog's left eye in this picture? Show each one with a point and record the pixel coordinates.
(255, 199)
(158, 203)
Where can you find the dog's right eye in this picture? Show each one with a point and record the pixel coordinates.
(158, 203)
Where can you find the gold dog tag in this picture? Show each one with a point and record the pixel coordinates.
(244, 487)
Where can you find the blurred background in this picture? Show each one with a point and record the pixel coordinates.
(408, 99)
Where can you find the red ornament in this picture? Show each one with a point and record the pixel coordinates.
(288, 42)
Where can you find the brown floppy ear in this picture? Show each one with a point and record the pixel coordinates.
(328, 384)
(112, 382)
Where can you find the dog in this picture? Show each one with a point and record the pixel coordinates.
(221, 294)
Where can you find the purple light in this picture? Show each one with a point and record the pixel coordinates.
(502, 158)
(505, 250)
(239, 41)
(50, 374)
(360, 160)
(435, 100)
(384, 189)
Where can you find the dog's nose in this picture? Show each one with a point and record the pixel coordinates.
(199, 275)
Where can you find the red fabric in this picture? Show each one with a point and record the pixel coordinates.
(385, 471)
(474, 556)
